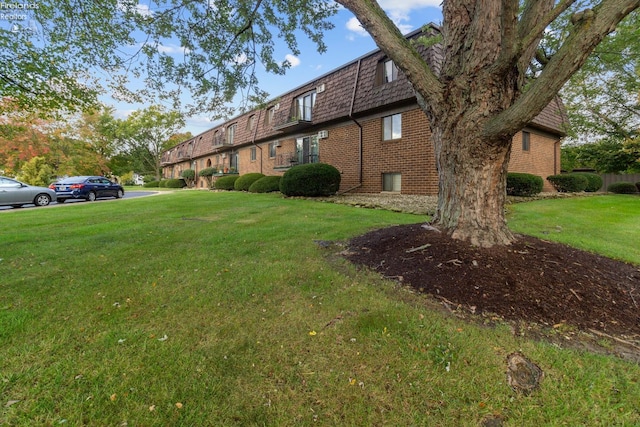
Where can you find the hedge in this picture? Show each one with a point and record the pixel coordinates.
(523, 184)
(175, 183)
(151, 184)
(594, 181)
(244, 181)
(310, 180)
(225, 182)
(267, 184)
(568, 182)
(622, 188)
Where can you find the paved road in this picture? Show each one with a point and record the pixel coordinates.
(127, 195)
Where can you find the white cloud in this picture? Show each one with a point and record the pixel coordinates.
(354, 25)
(293, 60)
(398, 10)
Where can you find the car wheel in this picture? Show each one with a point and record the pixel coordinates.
(91, 197)
(120, 194)
(42, 200)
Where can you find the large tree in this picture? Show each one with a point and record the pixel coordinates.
(481, 94)
(146, 134)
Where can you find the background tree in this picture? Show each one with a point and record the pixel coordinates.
(603, 97)
(609, 155)
(146, 134)
(23, 136)
(476, 98)
(36, 172)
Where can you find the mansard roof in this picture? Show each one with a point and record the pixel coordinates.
(348, 91)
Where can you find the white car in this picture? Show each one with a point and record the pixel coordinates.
(15, 193)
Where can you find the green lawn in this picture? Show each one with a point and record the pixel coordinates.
(196, 308)
(609, 225)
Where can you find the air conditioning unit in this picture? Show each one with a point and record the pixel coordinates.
(276, 107)
(323, 134)
(320, 88)
(277, 144)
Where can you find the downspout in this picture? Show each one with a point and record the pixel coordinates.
(253, 141)
(360, 137)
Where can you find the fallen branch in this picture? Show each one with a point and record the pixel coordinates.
(620, 340)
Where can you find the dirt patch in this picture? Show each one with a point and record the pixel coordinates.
(532, 280)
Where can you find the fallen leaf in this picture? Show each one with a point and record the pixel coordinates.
(164, 338)
(152, 408)
(113, 397)
(179, 405)
(11, 402)
(313, 333)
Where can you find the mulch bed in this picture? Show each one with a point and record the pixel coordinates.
(531, 280)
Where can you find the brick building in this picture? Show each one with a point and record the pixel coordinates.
(364, 119)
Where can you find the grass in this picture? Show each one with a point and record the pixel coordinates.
(197, 308)
(608, 225)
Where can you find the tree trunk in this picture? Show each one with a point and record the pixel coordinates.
(472, 186)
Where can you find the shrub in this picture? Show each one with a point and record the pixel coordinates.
(175, 183)
(267, 184)
(188, 174)
(207, 172)
(568, 183)
(244, 181)
(311, 180)
(226, 182)
(151, 184)
(163, 183)
(622, 188)
(523, 184)
(594, 181)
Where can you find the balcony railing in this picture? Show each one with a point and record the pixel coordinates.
(221, 142)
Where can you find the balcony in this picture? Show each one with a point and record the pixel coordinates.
(221, 141)
(285, 160)
(301, 119)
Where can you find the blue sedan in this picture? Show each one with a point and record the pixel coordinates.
(88, 188)
(15, 193)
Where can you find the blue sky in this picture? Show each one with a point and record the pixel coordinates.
(346, 42)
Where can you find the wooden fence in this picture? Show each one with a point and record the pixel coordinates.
(610, 178)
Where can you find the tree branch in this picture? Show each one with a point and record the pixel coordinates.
(582, 40)
(398, 48)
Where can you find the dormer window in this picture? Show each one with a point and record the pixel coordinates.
(304, 106)
(387, 72)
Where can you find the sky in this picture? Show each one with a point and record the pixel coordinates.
(345, 43)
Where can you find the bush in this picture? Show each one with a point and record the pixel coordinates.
(267, 184)
(523, 184)
(311, 180)
(594, 181)
(188, 174)
(163, 183)
(568, 183)
(622, 188)
(226, 182)
(208, 172)
(151, 184)
(244, 181)
(175, 183)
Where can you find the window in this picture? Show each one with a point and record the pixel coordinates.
(390, 71)
(252, 152)
(231, 134)
(251, 122)
(386, 72)
(272, 149)
(307, 150)
(391, 182)
(392, 127)
(526, 141)
(268, 118)
(304, 106)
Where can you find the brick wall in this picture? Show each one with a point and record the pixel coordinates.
(542, 158)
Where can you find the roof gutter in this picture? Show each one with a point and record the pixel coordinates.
(360, 136)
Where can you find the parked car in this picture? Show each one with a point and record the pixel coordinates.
(15, 193)
(89, 188)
